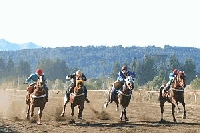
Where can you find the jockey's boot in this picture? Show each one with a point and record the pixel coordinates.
(87, 100)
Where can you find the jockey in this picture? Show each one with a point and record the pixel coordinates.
(34, 77)
(171, 78)
(121, 78)
(73, 78)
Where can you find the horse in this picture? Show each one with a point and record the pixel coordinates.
(124, 93)
(174, 95)
(77, 98)
(37, 98)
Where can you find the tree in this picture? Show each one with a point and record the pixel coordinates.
(147, 70)
(189, 69)
(23, 68)
(173, 63)
(10, 68)
(2, 66)
(115, 70)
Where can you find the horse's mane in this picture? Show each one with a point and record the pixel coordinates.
(79, 82)
(38, 91)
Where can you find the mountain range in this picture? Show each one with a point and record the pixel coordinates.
(8, 46)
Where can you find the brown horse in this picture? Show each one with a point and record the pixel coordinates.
(37, 99)
(123, 96)
(174, 95)
(77, 98)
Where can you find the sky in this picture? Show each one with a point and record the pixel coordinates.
(63, 23)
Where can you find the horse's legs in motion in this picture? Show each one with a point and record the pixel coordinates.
(28, 112)
(72, 113)
(184, 113)
(64, 106)
(117, 106)
(173, 107)
(123, 113)
(40, 115)
(63, 112)
(80, 110)
(108, 99)
(162, 110)
(175, 103)
(31, 110)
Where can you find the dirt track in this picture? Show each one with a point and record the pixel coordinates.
(143, 113)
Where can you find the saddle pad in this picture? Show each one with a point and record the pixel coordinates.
(33, 96)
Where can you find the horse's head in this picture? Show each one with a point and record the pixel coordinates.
(40, 83)
(129, 82)
(180, 79)
(79, 85)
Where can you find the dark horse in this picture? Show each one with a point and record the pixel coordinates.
(77, 98)
(123, 96)
(174, 95)
(37, 99)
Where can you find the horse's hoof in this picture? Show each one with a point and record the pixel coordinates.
(72, 122)
(175, 121)
(27, 116)
(39, 123)
(105, 105)
(117, 108)
(126, 119)
(120, 118)
(80, 118)
(162, 121)
(184, 116)
(62, 114)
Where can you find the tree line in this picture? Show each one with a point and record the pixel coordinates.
(148, 70)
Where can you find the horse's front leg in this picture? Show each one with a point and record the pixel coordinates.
(175, 103)
(80, 110)
(31, 110)
(72, 112)
(64, 106)
(108, 99)
(161, 110)
(173, 107)
(184, 113)
(125, 117)
(28, 112)
(63, 111)
(40, 115)
(121, 115)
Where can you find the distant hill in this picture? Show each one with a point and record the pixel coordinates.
(7, 46)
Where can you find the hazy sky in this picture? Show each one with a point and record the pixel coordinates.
(54, 23)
